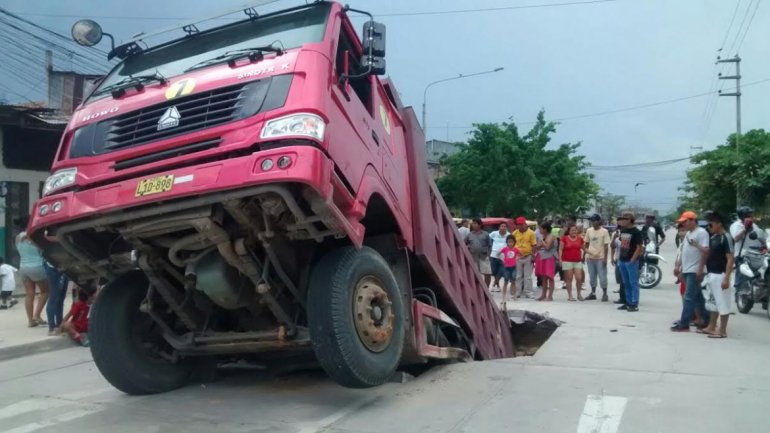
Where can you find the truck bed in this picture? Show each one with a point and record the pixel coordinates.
(438, 246)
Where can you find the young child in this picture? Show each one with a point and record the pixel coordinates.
(510, 255)
(75, 323)
(7, 285)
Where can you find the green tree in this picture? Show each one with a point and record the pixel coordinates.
(712, 183)
(609, 205)
(500, 172)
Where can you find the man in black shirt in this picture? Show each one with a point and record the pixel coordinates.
(719, 265)
(631, 245)
(653, 232)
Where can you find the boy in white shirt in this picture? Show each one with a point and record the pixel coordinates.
(7, 285)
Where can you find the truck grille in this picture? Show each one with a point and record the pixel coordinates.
(195, 112)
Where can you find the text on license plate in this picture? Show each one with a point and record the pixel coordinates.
(154, 185)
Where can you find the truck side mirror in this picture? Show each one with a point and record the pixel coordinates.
(374, 48)
(375, 65)
(374, 38)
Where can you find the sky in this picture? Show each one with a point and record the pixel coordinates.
(570, 60)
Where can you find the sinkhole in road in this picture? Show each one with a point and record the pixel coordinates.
(531, 330)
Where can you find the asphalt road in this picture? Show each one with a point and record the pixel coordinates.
(604, 371)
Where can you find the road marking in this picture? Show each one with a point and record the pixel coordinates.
(331, 419)
(601, 414)
(31, 405)
(44, 403)
(69, 416)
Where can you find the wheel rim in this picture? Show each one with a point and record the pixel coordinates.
(741, 300)
(373, 314)
(648, 276)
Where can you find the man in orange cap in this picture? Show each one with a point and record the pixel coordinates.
(691, 266)
(525, 242)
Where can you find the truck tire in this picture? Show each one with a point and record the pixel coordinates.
(356, 317)
(116, 329)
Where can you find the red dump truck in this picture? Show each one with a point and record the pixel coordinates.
(256, 191)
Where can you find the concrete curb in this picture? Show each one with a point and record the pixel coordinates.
(42, 346)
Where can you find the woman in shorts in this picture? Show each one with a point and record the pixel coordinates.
(571, 256)
(33, 275)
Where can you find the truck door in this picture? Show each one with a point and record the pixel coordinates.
(393, 168)
(356, 105)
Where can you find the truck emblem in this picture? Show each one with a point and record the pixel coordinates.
(169, 119)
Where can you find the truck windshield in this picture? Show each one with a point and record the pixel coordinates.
(287, 30)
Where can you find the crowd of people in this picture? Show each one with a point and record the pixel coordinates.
(707, 257)
(45, 287)
(513, 259)
(704, 266)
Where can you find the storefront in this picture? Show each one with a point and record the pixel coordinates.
(29, 137)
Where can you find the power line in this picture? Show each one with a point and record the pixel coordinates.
(642, 164)
(43, 40)
(740, 28)
(711, 103)
(619, 110)
(496, 9)
(732, 20)
(49, 31)
(746, 32)
(394, 14)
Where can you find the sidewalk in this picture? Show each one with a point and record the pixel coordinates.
(17, 340)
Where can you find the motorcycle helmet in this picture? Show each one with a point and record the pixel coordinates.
(744, 211)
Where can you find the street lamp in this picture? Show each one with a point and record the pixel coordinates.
(425, 93)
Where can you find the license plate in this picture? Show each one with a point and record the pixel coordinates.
(154, 185)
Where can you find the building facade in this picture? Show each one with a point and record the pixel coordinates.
(437, 149)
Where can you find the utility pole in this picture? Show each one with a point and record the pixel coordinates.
(737, 94)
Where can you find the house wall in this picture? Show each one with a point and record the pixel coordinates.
(32, 179)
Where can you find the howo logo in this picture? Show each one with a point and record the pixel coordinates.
(98, 114)
(169, 119)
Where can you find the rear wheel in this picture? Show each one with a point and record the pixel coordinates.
(743, 298)
(356, 317)
(649, 276)
(127, 345)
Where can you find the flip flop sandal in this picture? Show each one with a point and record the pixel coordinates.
(572, 299)
(703, 331)
(717, 336)
(41, 321)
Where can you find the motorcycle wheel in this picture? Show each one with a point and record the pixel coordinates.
(743, 298)
(650, 276)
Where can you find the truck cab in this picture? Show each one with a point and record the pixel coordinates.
(249, 191)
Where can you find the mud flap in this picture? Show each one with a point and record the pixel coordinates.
(424, 348)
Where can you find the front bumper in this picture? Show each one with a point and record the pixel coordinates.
(308, 166)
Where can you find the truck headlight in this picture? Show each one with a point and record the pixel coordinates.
(303, 124)
(60, 179)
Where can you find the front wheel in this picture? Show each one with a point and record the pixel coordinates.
(356, 317)
(744, 300)
(127, 345)
(649, 276)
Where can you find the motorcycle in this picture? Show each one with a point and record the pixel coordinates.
(755, 286)
(649, 271)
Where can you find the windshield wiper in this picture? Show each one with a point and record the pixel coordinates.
(136, 81)
(254, 54)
